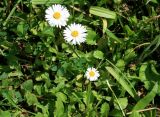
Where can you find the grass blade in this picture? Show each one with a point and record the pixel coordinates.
(147, 99)
(102, 12)
(46, 1)
(121, 81)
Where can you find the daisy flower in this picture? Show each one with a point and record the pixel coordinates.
(92, 74)
(75, 34)
(57, 15)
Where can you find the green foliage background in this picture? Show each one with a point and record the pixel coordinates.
(43, 76)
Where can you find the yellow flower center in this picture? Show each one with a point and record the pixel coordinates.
(56, 15)
(74, 33)
(91, 73)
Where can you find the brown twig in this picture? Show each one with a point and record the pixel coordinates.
(153, 18)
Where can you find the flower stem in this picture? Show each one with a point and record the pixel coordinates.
(116, 98)
(73, 49)
(88, 98)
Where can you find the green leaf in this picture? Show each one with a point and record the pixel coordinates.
(22, 28)
(116, 113)
(122, 81)
(59, 112)
(62, 96)
(15, 73)
(47, 1)
(42, 76)
(148, 73)
(120, 64)
(91, 37)
(3, 76)
(147, 99)
(142, 70)
(6, 44)
(5, 114)
(128, 30)
(151, 48)
(39, 115)
(27, 85)
(44, 109)
(2, 34)
(113, 36)
(154, 1)
(98, 54)
(102, 12)
(122, 101)
(104, 25)
(129, 55)
(135, 114)
(48, 31)
(105, 110)
(28, 48)
(38, 89)
(9, 96)
(31, 98)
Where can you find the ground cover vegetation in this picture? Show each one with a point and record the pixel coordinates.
(79, 58)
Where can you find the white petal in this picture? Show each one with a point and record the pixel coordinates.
(57, 22)
(81, 34)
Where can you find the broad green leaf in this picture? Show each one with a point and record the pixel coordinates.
(117, 1)
(116, 113)
(2, 34)
(31, 98)
(62, 96)
(15, 73)
(129, 55)
(28, 48)
(47, 1)
(122, 101)
(44, 109)
(128, 30)
(8, 95)
(121, 81)
(91, 37)
(5, 114)
(22, 28)
(42, 76)
(76, 97)
(102, 12)
(59, 112)
(39, 115)
(27, 85)
(135, 114)
(3, 76)
(38, 89)
(16, 114)
(105, 110)
(6, 44)
(148, 73)
(113, 36)
(98, 54)
(142, 70)
(133, 19)
(120, 64)
(147, 99)
(48, 31)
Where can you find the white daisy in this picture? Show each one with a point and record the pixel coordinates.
(92, 74)
(57, 15)
(75, 34)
